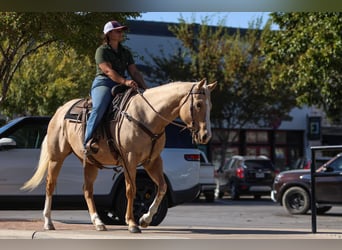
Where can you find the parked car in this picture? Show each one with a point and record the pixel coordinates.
(206, 179)
(20, 142)
(292, 189)
(245, 175)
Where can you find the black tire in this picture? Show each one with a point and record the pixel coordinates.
(209, 196)
(146, 191)
(323, 210)
(296, 200)
(108, 218)
(257, 197)
(234, 193)
(219, 195)
(120, 205)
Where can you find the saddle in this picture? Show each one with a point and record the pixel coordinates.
(80, 111)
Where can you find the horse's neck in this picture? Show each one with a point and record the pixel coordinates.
(166, 100)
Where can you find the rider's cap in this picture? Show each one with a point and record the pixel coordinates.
(113, 25)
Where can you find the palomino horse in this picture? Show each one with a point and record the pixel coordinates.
(155, 109)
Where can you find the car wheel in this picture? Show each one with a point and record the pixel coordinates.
(257, 197)
(108, 218)
(323, 210)
(218, 194)
(146, 191)
(209, 196)
(296, 200)
(234, 194)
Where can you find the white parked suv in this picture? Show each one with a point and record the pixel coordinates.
(20, 142)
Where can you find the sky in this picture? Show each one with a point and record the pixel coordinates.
(232, 19)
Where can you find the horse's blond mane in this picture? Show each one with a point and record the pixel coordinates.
(170, 85)
(178, 82)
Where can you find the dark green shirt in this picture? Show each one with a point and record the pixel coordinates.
(119, 60)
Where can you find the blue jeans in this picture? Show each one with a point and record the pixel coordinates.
(101, 97)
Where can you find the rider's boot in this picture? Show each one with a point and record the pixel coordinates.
(92, 147)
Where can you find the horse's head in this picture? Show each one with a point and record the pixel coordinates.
(195, 111)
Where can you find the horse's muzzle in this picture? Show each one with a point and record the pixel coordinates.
(201, 137)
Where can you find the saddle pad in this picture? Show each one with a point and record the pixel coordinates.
(76, 111)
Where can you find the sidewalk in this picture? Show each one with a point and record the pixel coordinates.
(33, 230)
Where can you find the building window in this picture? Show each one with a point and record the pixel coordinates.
(280, 137)
(258, 150)
(280, 158)
(231, 135)
(216, 154)
(257, 137)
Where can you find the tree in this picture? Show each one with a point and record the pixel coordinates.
(47, 79)
(305, 57)
(22, 34)
(167, 68)
(244, 96)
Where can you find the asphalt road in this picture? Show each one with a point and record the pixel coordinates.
(249, 213)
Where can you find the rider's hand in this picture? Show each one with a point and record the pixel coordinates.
(131, 83)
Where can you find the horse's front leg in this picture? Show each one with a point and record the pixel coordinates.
(130, 175)
(90, 174)
(155, 170)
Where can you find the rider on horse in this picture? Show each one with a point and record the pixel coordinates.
(112, 61)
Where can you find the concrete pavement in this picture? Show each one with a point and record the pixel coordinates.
(33, 230)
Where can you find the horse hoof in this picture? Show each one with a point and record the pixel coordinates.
(143, 223)
(101, 228)
(134, 229)
(49, 227)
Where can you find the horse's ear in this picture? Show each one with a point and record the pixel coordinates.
(211, 86)
(202, 82)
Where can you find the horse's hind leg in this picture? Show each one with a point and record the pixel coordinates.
(155, 170)
(53, 171)
(90, 174)
(48, 225)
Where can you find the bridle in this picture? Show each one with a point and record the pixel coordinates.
(191, 93)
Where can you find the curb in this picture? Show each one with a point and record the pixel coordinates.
(171, 233)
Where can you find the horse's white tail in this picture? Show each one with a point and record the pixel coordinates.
(43, 164)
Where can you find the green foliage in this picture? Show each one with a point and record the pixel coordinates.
(47, 79)
(23, 34)
(168, 68)
(244, 95)
(305, 57)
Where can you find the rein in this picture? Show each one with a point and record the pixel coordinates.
(169, 121)
(157, 113)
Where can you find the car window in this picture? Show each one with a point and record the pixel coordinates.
(233, 164)
(258, 164)
(9, 124)
(224, 167)
(336, 164)
(29, 135)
